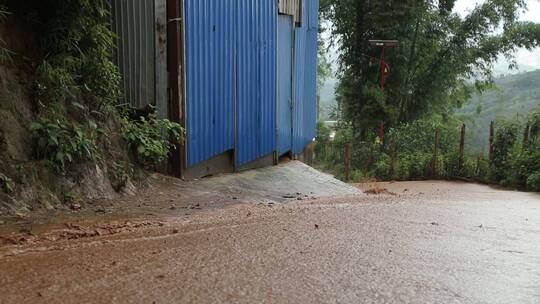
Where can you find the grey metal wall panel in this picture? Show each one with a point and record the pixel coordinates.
(290, 7)
(134, 23)
(161, 86)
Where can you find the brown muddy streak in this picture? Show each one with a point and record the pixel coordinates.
(418, 242)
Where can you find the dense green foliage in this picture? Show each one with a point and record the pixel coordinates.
(63, 142)
(408, 154)
(76, 90)
(148, 138)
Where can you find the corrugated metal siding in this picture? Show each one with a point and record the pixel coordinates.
(230, 79)
(310, 90)
(290, 7)
(313, 15)
(285, 83)
(162, 96)
(133, 21)
(305, 83)
(256, 79)
(210, 62)
(298, 107)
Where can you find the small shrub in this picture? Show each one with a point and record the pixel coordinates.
(366, 154)
(413, 166)
(149, 138)
(322, 142)
(481, 172)
(5, 53)
(358, 176)
(533, 182)
(523, 164)
(55, 80)
(6, 184)
(535, 123)
(62, 143)
(382, 168)
(505, 140)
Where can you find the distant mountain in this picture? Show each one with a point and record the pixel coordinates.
(513, 97)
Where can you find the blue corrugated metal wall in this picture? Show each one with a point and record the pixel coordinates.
(285, 86)
(299, 71)
(231, 81)
(256, 79)
(305, 77)
(310, 89)
(210, 60)
(230, 68)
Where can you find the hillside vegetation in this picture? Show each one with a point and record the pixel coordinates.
(512, 98)
(63, 136)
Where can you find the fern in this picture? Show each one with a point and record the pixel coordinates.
(5, 53)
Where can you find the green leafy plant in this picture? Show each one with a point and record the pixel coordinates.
(535, 123)
(382, 168)
(151, 139)
(322, 141)
(6, 184)
(55, 80)
(62, 143)
(505, 140)
(533, 182)
(5, 53)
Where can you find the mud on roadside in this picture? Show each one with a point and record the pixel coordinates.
(166, 197)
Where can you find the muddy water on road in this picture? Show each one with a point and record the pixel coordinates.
(428, 242)
(165, 196)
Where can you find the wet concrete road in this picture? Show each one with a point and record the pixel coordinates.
(429, 242)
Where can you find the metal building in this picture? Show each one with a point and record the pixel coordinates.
(239, 75)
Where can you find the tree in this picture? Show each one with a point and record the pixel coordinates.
(442, 59)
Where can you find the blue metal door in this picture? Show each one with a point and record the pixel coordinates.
(255, 79)
(285, 83)
(209, 34)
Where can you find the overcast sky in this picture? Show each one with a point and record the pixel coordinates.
(527, 60)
